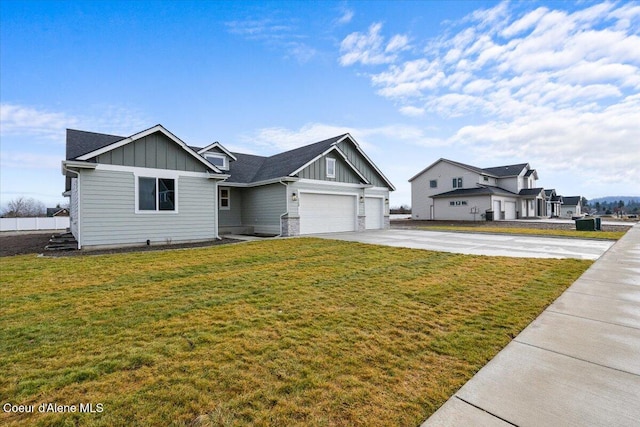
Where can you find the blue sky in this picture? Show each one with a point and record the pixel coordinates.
(554, 84)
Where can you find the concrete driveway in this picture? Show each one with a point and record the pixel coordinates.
(480, 244)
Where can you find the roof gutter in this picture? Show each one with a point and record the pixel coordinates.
(280, 180)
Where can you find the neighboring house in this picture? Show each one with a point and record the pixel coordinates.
(455, 191)
(152, 187)
(553, 202)
(571, 206)
(52, 212)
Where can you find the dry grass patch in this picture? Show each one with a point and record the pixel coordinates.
(606, 235)
(283, 332)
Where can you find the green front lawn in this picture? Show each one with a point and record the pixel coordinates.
(288, 332)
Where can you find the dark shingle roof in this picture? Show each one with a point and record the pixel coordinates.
(251, 168)
(478, 191)
(571, 200)
(244, 169)
(80, 142)
(247, 168)
(284, 164)
(508, 170)
(530, 191)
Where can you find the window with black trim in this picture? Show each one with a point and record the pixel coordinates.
(433, 183)
(156, 194)
(457, 182)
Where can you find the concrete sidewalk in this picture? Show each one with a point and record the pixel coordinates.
(577, 364)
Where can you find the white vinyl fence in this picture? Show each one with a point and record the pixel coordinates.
(24, 224)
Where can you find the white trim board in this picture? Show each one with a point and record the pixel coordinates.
(168, 173)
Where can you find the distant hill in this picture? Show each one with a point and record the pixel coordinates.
(612, 199)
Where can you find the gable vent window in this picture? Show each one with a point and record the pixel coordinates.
(156, 194)
(331, 168)
(457, 182)
(218, 160)
(433, 183)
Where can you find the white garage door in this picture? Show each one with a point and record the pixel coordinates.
(326, 213)
(510, 210)
(373, 212)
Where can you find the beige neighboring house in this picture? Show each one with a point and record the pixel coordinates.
(449, 190)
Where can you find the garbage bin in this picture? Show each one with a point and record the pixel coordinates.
(598, 223)
(586, 224)
(489, 215)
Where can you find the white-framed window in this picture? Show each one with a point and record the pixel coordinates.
(156, 194)
(224, 198)
(433, 183)
(331, 167)
(218, 160)
(457, 182)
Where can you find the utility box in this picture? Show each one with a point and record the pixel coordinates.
(586, 224)
(598, 223)
(489, 215)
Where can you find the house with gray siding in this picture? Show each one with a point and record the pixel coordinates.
(152, 188)
(450, 190)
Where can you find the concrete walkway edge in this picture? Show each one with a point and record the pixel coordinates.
(578, 363)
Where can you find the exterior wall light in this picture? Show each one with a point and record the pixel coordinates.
(294, 197)
(361, 199)
(386, 201)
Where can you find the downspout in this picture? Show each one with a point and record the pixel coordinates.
(64, 168)
(216, 209)
(286, 198)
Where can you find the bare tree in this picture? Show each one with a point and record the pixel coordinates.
(24, 207)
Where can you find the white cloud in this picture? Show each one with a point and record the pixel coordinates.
(547, 85)
(25, 121)
(259, 29)
(28, 121)
(599, 144)
(346, 17)
(410, 110)
(280, 33)
(525, 23)
(370, 48)
(397, 43)
(492, 18)
(269, 141)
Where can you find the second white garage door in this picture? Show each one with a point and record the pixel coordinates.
(327, 213)
(373, 212)
(510, 210)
